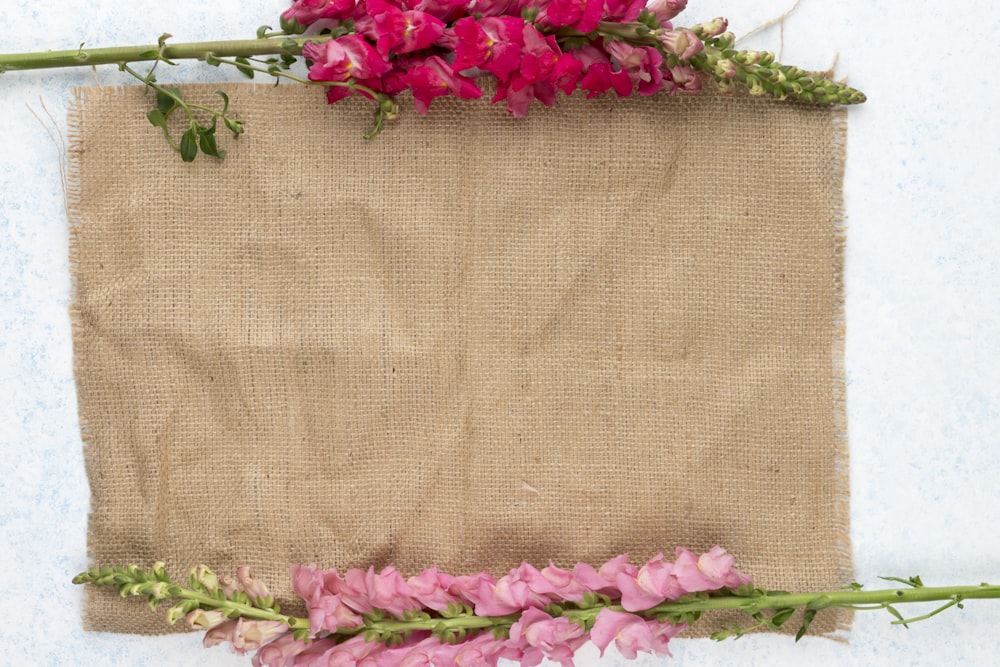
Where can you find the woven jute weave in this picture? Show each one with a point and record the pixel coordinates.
(613, 326)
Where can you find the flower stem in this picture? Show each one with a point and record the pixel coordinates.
(833, 598)
(879, 599)
(83, 57)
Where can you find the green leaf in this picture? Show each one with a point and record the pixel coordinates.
(262, 31)
(208, 146)
(162, 40)
(235, 126)
(189, 148)
(913, 581)
(290, 45)
(157, 118)
(212, 60)
(152, 54)
(806, 620)
(244, 66)
(780, 616)
(895, 612)
(225, 100)
(166, 99)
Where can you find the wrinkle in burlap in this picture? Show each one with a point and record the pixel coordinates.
(612, 326)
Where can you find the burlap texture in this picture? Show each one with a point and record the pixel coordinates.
(611, 326)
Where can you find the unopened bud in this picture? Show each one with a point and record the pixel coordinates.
(712, 28)
(160, 590)
(201, 619)
(206, 578)
(725, 69)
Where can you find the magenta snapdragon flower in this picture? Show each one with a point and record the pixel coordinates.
(582, 15)
(492, 44)
(402, 31)
(434, 78)
(307, 12)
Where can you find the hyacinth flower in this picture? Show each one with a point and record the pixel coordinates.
(534, 49)
(384, 619)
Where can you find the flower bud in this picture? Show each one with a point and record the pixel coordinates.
(229, 585)
(712, 28)
(175, 613)
(160, 570)
(725, 41)
(160, 590)
(206, 578)
(201, 619)
(682, 43)
(725, 69)
(254, 589)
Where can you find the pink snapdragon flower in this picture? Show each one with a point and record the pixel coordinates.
(510, 593)
(542, 65)
(684, 78)
(279, 653)
(307, 12)
(599, 77)
(482, 651)
(342, 59)
(320, 590)
(492, 44)
(654, 583)
(494, 7)
(431, 589)
(582, 15)
(664, 10)
(682, 43)
(244, 635)
(708, 572)
(623, 11)
(632, 634)
(254, 588)
(642, 63)
(446, 10)
(537, 635)
(399, 31)
(433, 78)
(353, 652)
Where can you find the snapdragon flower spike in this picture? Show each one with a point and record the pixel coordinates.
(527, 615)
(534, 49)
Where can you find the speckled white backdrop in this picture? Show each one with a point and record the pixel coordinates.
(923, 313)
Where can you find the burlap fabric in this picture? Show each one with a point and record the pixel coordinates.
(612, 326)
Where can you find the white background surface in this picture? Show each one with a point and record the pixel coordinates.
(923, 320)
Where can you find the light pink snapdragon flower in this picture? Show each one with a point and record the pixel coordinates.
(664, 10)
(708, 572)
(632, 634)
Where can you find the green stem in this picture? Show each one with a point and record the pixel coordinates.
(83, 57)
(244, 610)
(833, 598)
(848, 599)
